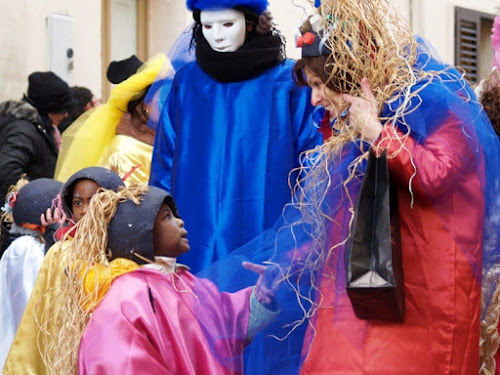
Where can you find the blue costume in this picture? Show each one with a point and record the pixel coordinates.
(225, 150)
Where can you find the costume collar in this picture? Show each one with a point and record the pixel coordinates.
(251, 59)
(165, 265)
(25, 230)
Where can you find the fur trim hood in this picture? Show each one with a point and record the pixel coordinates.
(20, 110)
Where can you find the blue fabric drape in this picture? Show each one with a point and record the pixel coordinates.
(225, 151)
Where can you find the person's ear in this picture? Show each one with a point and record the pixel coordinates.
(143, 128)
(249, 27)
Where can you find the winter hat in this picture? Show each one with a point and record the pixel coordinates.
(119, 71)
(104, 177)
(33, 199)
(48, 93)
(312, 38)
(312, 45)
(257, 6)
(131, 229)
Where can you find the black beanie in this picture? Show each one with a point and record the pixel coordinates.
(119, 71)
(33, 200)
(104, 177)
(48, 93)
(138, 219)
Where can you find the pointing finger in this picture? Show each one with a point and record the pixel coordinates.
(257, 268)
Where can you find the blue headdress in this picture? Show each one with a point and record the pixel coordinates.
(258, 6)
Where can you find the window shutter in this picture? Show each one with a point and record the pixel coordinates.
(467, 36)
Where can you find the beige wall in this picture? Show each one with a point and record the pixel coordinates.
(24, 37)
(168, 18)
(288, 16)
(24, 41)
(431, 19)
(434, 20)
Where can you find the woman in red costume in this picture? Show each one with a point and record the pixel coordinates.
(383, 89)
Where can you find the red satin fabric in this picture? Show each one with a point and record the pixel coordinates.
(441, 245)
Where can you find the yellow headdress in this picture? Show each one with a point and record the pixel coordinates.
(88, 137)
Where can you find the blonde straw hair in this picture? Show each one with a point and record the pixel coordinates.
(75, 303)
(367, 39)
(6, 216)
(489, 340)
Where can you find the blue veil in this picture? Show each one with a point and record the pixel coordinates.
(315, 227)
(305, 248)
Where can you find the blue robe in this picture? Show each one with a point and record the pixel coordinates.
(225, 151)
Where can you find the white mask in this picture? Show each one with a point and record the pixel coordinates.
(224, 30)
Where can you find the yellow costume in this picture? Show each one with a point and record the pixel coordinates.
(125, 153)
(25, 355)
(84, 144)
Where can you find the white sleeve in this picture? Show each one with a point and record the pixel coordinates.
(19, 268)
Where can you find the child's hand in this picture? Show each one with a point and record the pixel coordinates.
(363, 113)
(53, 216)
(266, 284)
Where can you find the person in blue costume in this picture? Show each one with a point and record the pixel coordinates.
(442, 154)
(232, 129)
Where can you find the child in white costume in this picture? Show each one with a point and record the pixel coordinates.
(21, 261)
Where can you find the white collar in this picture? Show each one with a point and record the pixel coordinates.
(165, 265)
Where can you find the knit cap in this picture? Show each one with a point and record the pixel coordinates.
(48, 93)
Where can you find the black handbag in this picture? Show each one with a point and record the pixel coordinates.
(373, 252)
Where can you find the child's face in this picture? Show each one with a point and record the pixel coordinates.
(169, 235)
(82, 194)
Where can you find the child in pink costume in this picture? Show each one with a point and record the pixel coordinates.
(146, 314)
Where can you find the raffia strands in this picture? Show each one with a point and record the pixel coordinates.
(7, 216)
(368, 39)
(490, 339)
(75, 303)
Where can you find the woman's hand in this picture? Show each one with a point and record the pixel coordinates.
(363, 113)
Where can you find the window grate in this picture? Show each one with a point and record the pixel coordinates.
(467, 48)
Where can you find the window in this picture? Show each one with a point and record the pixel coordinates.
(473, 49)
(124, 31)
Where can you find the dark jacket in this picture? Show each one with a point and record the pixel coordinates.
(27, 145)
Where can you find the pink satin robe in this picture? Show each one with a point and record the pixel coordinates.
(193, 328)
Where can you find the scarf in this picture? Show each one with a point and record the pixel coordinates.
(254, 57)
